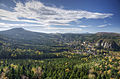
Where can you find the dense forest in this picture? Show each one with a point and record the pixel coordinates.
(30, 55)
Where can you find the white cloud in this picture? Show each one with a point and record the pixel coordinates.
(45, 15)
(104, 25)
(7, 25)
(83, 26)
(58, 30)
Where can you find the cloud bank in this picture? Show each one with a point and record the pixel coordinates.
(45, 17)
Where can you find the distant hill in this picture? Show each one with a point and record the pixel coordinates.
(22, 35)
(106, 33)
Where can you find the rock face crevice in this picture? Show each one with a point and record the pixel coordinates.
(107, 44)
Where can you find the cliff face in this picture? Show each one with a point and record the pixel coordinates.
(107, 44)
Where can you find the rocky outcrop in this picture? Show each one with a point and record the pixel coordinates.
(107, 44)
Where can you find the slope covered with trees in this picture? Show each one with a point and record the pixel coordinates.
(30, 55)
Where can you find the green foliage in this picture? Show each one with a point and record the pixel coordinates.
(78, 66)
(30, 55)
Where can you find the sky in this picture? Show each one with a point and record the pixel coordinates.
(61, 16)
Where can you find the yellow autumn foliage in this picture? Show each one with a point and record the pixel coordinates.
(91, 76)
(85, 59)
(69, 56)
(72, 53)
(110, 60)
(14, 66)
(1, 62)
(67, 70)
(33, 69)
(66, 63)
(110, 66)
(112, 78)
(119, 72)
(104, 72)
(13, 55)
(109, 71)
(91, 70)
(118, 58)
(5, 69)
(106, 63)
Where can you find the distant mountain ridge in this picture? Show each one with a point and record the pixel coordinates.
(20, 35)
(16, 30)
(107, 33)
(26, 35)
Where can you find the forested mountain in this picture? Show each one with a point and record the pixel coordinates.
(31, 55)
(22, 36)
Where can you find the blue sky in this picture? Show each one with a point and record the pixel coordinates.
(61, 16)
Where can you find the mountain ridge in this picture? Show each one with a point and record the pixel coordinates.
(22, 35)
(98, 33)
